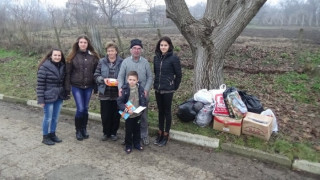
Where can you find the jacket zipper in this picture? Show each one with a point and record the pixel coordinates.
(160, 72)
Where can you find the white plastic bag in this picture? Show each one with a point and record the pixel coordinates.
(269, 112)
(204, 96)
(214, 92)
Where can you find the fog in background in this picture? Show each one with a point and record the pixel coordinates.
(22, 22)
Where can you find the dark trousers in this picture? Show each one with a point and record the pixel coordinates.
(110, 117)
(164, 102)
(132, 131)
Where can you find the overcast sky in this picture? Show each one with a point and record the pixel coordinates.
(141, 3)
(62, 3)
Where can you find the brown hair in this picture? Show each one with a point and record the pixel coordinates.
(48, 56)
(133, 73)
(112, 45)
(168, 40)
(75, 48)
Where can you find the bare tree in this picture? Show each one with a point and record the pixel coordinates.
(4, 14)
(27, 17)
(211, 36)
(133, 10)
(84, 12)
(151, 6)
(110, 8)
(59, 18)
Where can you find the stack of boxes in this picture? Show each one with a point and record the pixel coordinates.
(252, 124)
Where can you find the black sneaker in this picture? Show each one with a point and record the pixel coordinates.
(46, 140)
(104, 138)
(54, 138)
(114, 137)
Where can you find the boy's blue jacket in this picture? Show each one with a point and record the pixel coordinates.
(122, 100)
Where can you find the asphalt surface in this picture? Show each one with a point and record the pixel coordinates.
(23, 156)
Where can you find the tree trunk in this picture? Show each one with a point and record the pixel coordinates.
(96, 40)
(210, 37)
(208, 62)
(121, 53)
(57, 36)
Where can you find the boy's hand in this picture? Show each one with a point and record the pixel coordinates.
(130, 112)
(120, 92)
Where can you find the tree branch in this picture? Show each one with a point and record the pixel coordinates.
(237, 16)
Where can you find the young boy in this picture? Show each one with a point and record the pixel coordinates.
(134, 93)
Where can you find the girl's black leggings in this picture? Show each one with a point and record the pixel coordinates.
(164, 102)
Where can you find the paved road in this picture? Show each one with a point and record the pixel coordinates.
(23, 156)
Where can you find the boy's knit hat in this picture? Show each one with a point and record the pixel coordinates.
(136, 42)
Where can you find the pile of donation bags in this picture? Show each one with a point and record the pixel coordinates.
(231, 110)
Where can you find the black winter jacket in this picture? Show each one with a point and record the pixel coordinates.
(122, 100)
(50, 80)
(80, 71)
(167, 70)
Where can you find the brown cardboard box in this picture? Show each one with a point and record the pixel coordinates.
(227, 124)
(257, 125)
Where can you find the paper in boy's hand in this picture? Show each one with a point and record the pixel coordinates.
(139, 109)
(130, 106)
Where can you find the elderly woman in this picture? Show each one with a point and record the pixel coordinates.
(106, 76)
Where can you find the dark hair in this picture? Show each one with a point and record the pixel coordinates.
(48, 56)
(112, 45)
(133, 73)
(75, 48)
(168, 40)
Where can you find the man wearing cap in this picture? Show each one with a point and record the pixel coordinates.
(137, 63)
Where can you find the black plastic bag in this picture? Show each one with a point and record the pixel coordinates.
(252, 102)
(186, 112)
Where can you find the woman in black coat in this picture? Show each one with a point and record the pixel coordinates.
(167, 70)
(51, 93)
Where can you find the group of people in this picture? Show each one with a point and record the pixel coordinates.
(117, 81)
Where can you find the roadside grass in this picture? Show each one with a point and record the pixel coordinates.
(18, 78)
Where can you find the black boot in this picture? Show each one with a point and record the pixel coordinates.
(54, 138)
(78, 122)
(164, 140)
(46, 140)
(84, 127)
(79, 135)
(159, 137)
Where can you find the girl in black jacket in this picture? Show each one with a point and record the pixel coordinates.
(51, 93)
(167, 70)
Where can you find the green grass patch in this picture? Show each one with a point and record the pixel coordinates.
(6, 54)
(297, 85)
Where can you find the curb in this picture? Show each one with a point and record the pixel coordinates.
(300, 165)
(303, 165)
(258, 154)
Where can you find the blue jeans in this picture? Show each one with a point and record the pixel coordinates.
(51, 116)
(82, 98)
